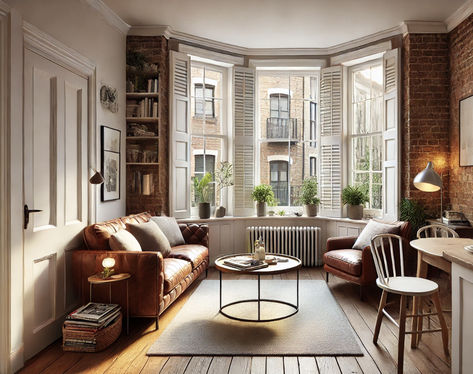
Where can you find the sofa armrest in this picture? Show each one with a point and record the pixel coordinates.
(368, 273)
(146, 284)
(195, 234)
(342, 242)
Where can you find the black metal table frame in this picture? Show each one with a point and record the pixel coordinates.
(259, 300)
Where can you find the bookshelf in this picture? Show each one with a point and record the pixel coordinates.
(143, 109)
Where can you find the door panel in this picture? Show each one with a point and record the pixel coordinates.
(55, 181)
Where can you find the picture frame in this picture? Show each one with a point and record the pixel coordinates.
(111, 152)
(466, 131)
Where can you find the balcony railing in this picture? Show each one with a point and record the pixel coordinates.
(281, 128)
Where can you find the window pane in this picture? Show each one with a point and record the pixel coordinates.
(376, 114)
(376, 196)
(361, 85)
(359, 118)
(377, 152)
(361, 153)
(215, 79)
(377, 81)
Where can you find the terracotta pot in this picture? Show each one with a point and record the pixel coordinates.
(220, 211)
(260, 209)
(204, 210)
(311, 210)
(355, 211)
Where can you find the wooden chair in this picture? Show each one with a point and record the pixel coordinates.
(388, 258)
(436, 231)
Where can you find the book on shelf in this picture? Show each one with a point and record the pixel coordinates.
(153, 85)
(148, 107)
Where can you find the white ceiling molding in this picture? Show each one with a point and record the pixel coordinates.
(354, 57)
(212, 56)
(169, 32)
(459, 15)
(110, 16)
(294, 64)
(423, 27)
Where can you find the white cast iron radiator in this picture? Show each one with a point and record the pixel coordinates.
(298, 241)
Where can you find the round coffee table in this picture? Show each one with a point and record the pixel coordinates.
(291, 264)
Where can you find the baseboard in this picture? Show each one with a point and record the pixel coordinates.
(17, 359)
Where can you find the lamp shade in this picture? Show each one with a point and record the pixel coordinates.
(428, 180)
(108, 262)
(97, 178)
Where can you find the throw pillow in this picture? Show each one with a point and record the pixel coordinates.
(170, 228)
(374, 228)
(124, 241)
(150, 237)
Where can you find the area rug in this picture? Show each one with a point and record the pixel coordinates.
(320, 328)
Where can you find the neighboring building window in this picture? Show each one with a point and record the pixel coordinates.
(313, 166)
(205, 164)
(366, 124)
(279, 181)
(286, 130)
(204, 99)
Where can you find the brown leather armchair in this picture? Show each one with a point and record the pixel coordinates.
(355, 265)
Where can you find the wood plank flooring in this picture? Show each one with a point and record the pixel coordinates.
(128, 353)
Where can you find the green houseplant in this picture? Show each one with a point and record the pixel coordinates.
(223, 178)
(262, 194)
(308, 196)
(203, 194)
(354, 197)
(413, 212)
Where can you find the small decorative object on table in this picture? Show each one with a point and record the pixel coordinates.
(108, 263)
(259, 250)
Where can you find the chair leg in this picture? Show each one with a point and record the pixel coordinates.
(415, 320)
(157, 322)
(379, 318)
(326, 276)
(443, 325)
(206, 272)
(420, 321)
(402, 333)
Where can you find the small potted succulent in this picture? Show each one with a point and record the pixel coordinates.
(223, 178)
(203, 194)
(354, 197)
(308, 196)
(263, 195)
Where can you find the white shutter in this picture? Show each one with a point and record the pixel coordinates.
(331, 137)
(391, 135)
(244, 126)
(179, 137)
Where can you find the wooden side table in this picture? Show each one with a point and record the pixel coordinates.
(97, 279)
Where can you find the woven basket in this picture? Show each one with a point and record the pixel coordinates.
(103, 337)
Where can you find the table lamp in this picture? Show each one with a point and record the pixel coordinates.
(428, 180)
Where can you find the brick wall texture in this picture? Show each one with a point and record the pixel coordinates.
(461, 86)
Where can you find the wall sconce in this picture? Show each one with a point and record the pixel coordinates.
(428, 180)
(97, 178)
(108, 263)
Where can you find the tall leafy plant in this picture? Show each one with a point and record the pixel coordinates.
(413, 212)
(263, 194)
(224, 175)
(202, 188)
(309, 191)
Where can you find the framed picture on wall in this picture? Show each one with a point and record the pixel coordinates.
(110, 163)
(466, 131)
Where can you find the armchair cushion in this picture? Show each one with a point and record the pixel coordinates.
(374, 228)
(347, 260)
(193, 253)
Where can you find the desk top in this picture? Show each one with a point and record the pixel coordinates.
(452, 249)
(292, 263)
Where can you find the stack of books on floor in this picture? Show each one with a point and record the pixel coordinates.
(83, 326)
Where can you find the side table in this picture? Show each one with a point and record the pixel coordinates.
(97, 279)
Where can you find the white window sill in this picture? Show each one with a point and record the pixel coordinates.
(268, 218)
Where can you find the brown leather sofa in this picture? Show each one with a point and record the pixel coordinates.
(355, 265)
(156, 281)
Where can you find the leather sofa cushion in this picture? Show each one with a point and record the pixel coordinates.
(150, 237)
(175, 270)
(194, 253)
(346, 260)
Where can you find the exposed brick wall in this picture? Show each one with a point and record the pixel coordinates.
(425, 114)
(156, 50)
(461, 86)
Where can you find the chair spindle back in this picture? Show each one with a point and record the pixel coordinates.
(436, 231)
(385, 268)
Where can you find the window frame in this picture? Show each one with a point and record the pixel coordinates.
(368, 212)
(258, 136)
(204, 88)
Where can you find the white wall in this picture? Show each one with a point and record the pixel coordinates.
(79, 26)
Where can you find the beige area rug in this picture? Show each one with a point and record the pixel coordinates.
(320, 328)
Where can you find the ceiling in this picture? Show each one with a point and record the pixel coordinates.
(281, 23)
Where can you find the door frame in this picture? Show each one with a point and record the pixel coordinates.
(26, 36)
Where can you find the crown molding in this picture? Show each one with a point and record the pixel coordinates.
(169, 32)
(459, 15)
(423, 27)
(110, 16)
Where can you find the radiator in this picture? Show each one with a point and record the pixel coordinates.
(298, 241)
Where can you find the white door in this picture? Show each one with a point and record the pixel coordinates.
(55, 182)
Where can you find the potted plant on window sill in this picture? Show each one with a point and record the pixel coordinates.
(263, 195)
(223, 178)
(354, 197)
(309, 197)
(202, 193)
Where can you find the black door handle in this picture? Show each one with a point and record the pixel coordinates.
(26, 215)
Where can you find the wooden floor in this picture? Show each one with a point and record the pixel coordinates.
(128, 353)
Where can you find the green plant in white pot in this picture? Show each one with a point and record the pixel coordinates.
(308, 196)
(223, 178)
(203, 194)
(262, 194)
(354, 197)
